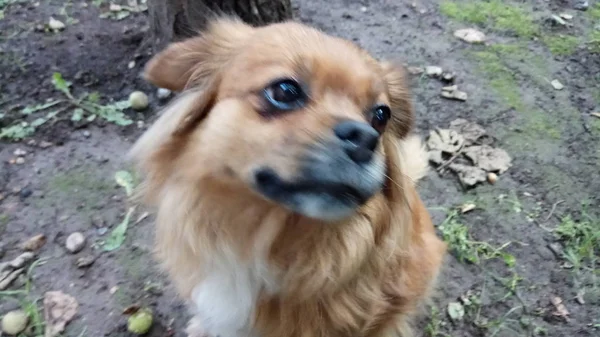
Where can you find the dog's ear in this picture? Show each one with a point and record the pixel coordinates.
(194, 61)
(400, 99)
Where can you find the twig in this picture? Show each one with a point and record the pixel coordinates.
(553, 209)
(449, 161)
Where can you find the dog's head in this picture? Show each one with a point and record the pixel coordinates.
(285, 111)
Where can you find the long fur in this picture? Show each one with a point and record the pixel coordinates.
(290, 275)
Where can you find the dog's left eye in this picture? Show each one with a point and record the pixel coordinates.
(285, 95)
(380, 116)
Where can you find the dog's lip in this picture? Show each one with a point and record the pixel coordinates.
(271, 184)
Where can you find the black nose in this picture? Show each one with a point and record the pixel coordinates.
(360, 139)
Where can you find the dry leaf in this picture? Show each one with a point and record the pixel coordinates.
(468, 175)
(467, 208)
(445, 140)
(21, 260)
(557, 85)
(470, 131)
(489, 158)
(59, 310)
(9, 277)
(435, 157)
(34, 243)
(132, 309)
(470, 35)
(561, 311)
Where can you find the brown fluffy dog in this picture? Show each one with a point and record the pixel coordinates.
(283, 178)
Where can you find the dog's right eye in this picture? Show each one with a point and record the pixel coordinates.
(285, 95)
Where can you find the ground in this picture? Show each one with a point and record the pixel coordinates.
(501, 277)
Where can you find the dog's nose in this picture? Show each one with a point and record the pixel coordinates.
(360, 139)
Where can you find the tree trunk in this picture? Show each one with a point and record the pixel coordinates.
(172, 20)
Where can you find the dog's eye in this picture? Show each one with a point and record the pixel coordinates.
(285, 94)
(380, 116)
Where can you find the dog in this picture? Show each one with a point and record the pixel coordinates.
(283, 178)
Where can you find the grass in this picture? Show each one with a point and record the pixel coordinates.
(84, 108)
(465, 248)
(581, 240)
(498, 15)
(27, 303)
(561, 45)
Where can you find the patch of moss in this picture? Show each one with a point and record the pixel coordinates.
(561, 45)
(594, 41)
(81, 188)
(594, 11)
(4, 218)
(501, 78)
(495, 14)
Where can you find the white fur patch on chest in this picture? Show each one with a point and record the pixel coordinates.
(225, 301)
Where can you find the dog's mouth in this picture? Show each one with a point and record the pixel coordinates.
(270, 184)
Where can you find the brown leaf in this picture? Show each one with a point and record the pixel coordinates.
(59, 310)
(132, 309)
(34, 243)
(468, 175)
(470, 131)
(560, 309)
(488, 158)
(445, 140)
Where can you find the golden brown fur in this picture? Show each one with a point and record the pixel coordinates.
(360, 276)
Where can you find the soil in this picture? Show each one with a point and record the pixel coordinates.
(70, 186)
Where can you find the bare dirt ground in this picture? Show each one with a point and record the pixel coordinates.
(531, 240)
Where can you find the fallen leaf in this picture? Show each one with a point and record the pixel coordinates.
(55, 25)
(560, 309)
(470, 131)
(415, 70)
(456, 311)
(132, 309)
(59, 310)
(559, 20)
(5, 281)
(125, 180)
(467, 208)
(445, 140)
(470, 35)
(595, 114)
(34, 243)
(489, 158)
(456, 95)
(435, 157)
(566, 16)
(468, 175)
(117, 236)
(21, 260)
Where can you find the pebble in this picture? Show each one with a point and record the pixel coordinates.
(433, 71)
(84, 262)
(56, 24)
(452, 92)
(138, 100)
(556, 249)
(86, 134)
(557, 85)
(20, 152)
(131, 65)
(20, 161)
(163, 93)
(492, 178)
(470, 35)
(566, 16)
(25, 193)
(582, 5)
(75, 242)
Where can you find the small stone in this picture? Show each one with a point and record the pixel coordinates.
(114, 7)
(20, 152)
(131, 64)
(138, 100)
(102, 230)
(566, 16)
(363, 9)
(25, 193)
(34, 243)
(56, 25)
(492, 178)
(582, 5)
(86, 134)
(433, 71)
(20, 161)
(467, 208)
(44, 144)
(163, 93)
(14, 322)
(452, 92)
(470, 35)
(75, 242)
(113, 290)
(557, 85)
(84, 262)
(448, 77)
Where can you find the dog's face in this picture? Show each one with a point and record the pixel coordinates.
(294, 115)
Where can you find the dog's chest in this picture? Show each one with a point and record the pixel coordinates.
(225, 301)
